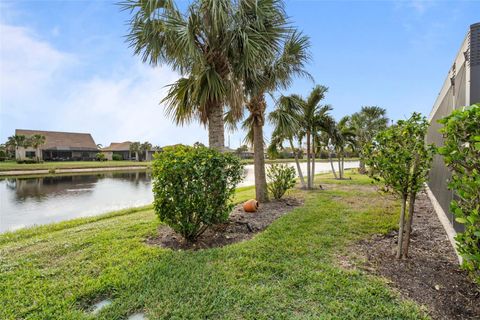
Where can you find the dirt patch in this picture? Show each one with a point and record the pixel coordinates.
(240, 226)
(432, 276)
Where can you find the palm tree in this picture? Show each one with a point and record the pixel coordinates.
(36, 141)
(145, 147)
(135, 147)
(286, 121)
(277, 73)
(366, 124)
(342, 136)
(309, 122)
(16, 141)
(212, 45)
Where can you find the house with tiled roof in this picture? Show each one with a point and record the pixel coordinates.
(59, 146)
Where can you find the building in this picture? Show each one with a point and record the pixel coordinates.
(461, 88)
(59, 146)
(122, 150)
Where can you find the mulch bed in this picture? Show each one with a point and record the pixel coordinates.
(431, 276)
(240, 226)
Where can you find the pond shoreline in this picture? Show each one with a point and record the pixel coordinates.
(26, 173)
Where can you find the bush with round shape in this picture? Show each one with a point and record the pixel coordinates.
(117, 157)
(193, 188)
(281, 177)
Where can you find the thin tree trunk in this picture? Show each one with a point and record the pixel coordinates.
(299, 169)
(331, 163)
(343, 164)
(216, 128)
(313, 161)
(408, 230)
(339, 166)
(401, 227)
(309, 185)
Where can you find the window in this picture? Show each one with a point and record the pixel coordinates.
(30, 154)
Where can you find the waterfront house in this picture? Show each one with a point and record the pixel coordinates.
(122, 152)
(122, 149)
(59, 146)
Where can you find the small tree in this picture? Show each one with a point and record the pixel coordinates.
(16, 141)
(461, 153)
(400, 159)
(135, 147)
(193, 188)
(36, 141)
(281, 177)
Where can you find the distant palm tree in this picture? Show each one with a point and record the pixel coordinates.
(366, 124)
(342, 136)
(135, 147)
(16, 141)
(211, 45)
(36, 141)
(145, 147)
(286, 121)
(277, 73)
(311, 121)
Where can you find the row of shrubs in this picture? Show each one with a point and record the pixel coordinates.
(194, 187)
(399, 158)
(29, 161)
(101, 157)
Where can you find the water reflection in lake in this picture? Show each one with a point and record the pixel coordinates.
(29, 201)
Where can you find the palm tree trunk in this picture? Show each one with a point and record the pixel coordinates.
(309, 184)
(401, 227)
(331, 163)
(340, 173)
(257, 108)
(313, 160)
(261, 191)
(408, 230)
(299, 169)
(216, 128)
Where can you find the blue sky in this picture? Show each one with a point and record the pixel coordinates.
(65, 66)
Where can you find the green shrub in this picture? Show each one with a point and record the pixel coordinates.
(193, 188)
(117, 157)
(461, 153)
(281, 178)
(399, 158)
(100, 157)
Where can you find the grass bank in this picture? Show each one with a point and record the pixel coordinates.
(289, 271)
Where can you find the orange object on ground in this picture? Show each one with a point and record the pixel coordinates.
(250, 205)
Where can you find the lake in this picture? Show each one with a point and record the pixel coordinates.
(26, 202)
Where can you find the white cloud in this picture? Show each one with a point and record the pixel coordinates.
(39, 90)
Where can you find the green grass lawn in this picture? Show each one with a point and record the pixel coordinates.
(12, 165)
(289, 271)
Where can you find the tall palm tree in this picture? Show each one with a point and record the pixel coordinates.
(212, 45)
(309, 122)
(322, 122)
(277, 73)
(145, 147)
(366, 124)
(286, 121)
(16, 141)
(135, 147)
(36, 141)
